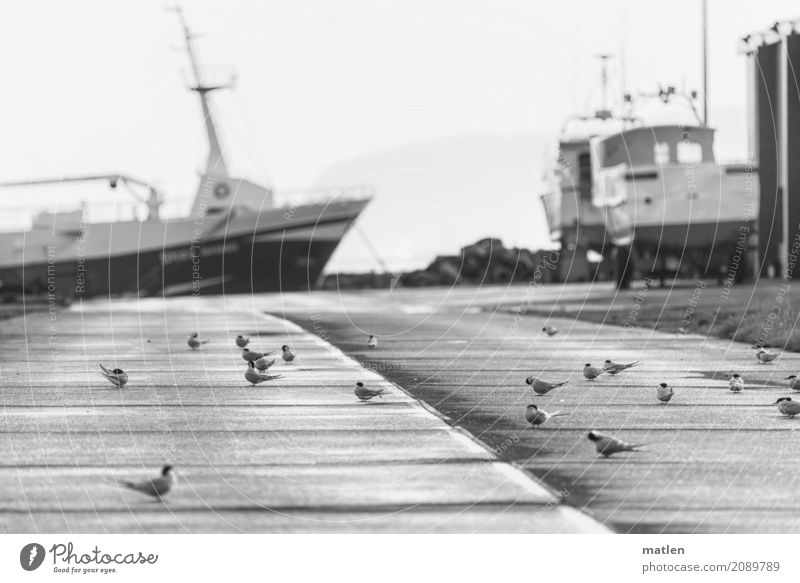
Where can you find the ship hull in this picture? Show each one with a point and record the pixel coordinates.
(258, 256)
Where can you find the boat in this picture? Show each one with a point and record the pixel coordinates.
(649, 200)
(238, 237)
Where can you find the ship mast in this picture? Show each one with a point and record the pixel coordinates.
(215, 165)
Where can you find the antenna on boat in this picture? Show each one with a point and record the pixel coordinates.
(604, 112)
(215, 166)
(705, 62)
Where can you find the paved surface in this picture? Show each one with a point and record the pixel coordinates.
(296, 455)
(715, 461)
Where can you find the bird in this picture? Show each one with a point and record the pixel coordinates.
(372, 342)
(608, 445)
(263, 364)
(252, 355)
(365, 393)
(764, 357)
(788, 407)
(288, 353)
(194, 342)
(794, 382)
(541, 387)
(158, 487)
(592, 372)
(550, 330)
(116, 376)
(736, 384)
(664, 393)
(613, 368)
(536, 416)
(241, 341)
(255, 377)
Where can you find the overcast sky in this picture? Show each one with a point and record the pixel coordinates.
(447, 107)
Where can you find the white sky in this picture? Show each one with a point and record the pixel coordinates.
(97, 86)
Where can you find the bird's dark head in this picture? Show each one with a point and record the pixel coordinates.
(285, 347)
(359, 384)
(529, 380)
(245, 350)
(794, 376)
(194, 334)
(587, 364)
(118, 371)
(663, 385)
(544, 328)
(240, 336)
(782, 399)
(534, 407)
(166, 470)
(735, 375)
(592, 435)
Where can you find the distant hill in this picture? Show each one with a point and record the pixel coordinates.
(433, 196)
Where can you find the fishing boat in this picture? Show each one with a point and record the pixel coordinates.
(238, 237)
(649, 200)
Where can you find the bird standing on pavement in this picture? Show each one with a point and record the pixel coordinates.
(550, 330)
(608, 445)
(194, 341)
(372, 342)
(736, 384)
(365, 393)
(116, 376)
(252, 355)
(158, 487)
(664, 393)
(542, 387)
(241, 341)
(788, 407)
(288, 354)
(592, 372)
(794, 382)
(255, 377)
(764, 357)
(536, 416)
(613, 368)
(263, 364)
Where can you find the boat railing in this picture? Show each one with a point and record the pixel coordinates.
(21, 217)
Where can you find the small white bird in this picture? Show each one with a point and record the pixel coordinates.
(288, 354)
(736, 384)
(255, 377)
(542, 387)
(241, 341)
(372, 342)
(365, 393)
(764, 357)
(194, 341)
(788, 407)
(252, 355)
(536, 416)
(550, 330)
(592, 372)
(664, 393)
(608, 445)
(613, 368)
(158, 487)
(116, 376)
(263, 364)
(794, 382)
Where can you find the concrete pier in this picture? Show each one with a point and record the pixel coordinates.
(299, 454)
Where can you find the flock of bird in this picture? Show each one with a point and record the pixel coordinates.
(258, 363)
(608, 445)
(255, 373)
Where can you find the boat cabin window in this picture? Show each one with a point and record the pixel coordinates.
(689, 153)
(661, 153)
(585, 175)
